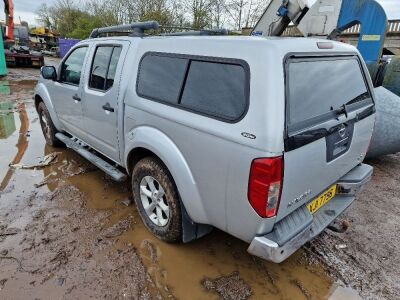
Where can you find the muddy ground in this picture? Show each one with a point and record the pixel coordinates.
(67, 232)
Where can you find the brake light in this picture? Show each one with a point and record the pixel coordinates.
(325, 45)
(265, 185)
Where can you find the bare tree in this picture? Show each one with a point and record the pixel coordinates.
(199, 12)
(45, 16)
(218, 13)
(245, 13)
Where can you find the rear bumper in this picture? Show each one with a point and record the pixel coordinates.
(300, 227)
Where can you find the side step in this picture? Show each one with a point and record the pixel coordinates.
(115, 174)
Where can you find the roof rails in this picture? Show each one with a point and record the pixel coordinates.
(197, 32)
(135, 29)
(138, 28)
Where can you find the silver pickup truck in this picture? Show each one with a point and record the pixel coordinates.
(261, 138)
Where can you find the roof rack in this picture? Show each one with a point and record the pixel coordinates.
(135, 29)
(138, 28)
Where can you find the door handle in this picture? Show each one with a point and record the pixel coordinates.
(76, 97)
(107, 107)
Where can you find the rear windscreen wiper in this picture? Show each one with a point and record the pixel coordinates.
(359, 98)
(340, 111)
(343, 110)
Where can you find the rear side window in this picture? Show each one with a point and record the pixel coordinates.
(319, 85)
(103, 68)
(208, 86)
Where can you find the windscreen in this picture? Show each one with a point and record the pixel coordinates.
(319, 86)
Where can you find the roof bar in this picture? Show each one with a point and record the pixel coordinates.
(137, 28)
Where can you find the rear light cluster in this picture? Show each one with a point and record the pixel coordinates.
(265, 185)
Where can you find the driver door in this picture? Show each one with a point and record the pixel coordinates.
(67, 91)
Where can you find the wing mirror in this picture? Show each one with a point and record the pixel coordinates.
(49, 72)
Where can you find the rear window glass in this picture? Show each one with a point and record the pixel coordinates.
(317, 86)
(216, 89)
(161, 77)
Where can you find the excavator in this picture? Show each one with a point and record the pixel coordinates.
(327, 19)
(12, 54)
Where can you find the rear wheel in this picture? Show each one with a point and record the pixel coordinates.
(48, 128)
(157, 199)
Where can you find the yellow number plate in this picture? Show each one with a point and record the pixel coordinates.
(323, 199)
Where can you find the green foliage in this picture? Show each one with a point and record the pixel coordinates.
(84, 26)
(162, 17)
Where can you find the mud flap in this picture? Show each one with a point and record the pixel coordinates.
(192, 230)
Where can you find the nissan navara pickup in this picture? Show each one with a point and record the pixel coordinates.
(261, 138)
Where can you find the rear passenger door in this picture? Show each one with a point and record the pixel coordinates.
(101, 97)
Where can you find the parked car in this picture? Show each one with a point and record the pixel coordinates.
(54, 51)
(261, 138)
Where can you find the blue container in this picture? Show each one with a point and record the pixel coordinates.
(65, 45)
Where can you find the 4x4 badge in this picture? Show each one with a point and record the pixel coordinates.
(249, 135)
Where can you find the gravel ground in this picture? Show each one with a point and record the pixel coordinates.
(369, 260)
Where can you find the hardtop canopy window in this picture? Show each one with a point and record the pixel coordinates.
(205, 85)
(161, 77)
(319, 86)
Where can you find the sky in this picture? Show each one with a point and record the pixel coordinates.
(25, 9)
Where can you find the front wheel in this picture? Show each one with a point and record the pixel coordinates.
(48, 128)
(157, 199)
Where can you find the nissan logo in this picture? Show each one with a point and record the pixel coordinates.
(342, 131)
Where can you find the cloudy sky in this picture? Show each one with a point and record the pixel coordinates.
(25, 9)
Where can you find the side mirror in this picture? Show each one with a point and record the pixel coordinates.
(49, 72)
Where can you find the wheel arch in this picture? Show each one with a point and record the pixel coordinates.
(147, 141)
(42, 95)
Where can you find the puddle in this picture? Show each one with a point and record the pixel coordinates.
(203, 269)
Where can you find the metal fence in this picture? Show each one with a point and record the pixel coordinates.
(393, 29)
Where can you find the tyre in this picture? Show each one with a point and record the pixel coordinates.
(48, 128)
(157, 199)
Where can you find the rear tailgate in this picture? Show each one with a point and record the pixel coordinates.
(329, 120)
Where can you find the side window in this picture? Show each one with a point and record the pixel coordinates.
(160, 77)
(216, 89)
(113, 67)
(200, 84)
(71, 68)
(103, 68)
